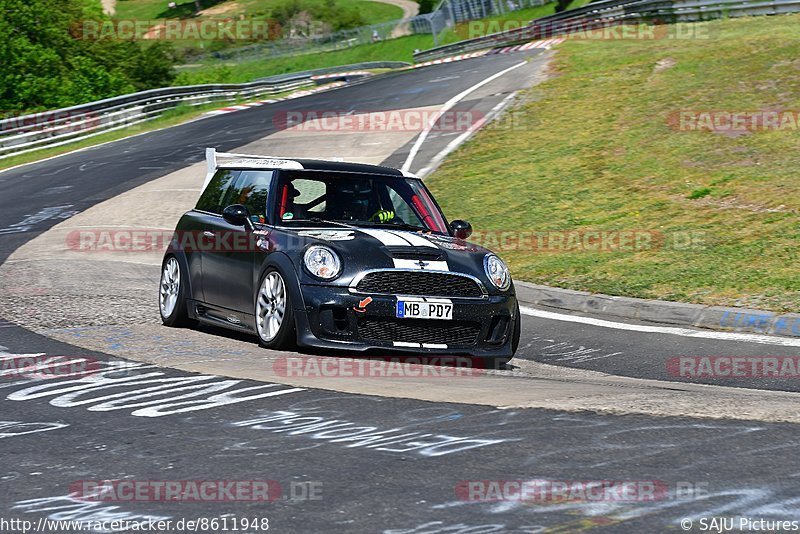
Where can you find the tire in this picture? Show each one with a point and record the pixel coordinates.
(275, 331)
(172, 294)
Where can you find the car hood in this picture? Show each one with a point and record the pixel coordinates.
(364, 249)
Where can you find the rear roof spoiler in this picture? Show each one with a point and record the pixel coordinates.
(229, 160)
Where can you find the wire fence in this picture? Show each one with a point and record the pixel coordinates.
(452, 12)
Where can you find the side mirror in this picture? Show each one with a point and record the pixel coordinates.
(237, 215)
(461, 229)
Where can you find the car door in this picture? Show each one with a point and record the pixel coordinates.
(196, 226)
(228, 265)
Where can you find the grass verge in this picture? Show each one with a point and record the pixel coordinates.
(371, 12)
(597, 148)
(275, 18)
(400, 49)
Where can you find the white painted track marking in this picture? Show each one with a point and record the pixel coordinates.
(671, 330)
(457, 142)
(448, 105)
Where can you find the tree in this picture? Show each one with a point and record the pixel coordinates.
(50, 61)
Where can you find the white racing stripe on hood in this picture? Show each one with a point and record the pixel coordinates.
(406, 239)
(387, 238)
(416, 240)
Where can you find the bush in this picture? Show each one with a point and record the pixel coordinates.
(562, 5)
(336, 16)
(426, 6)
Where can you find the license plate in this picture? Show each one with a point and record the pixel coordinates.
(424, 310)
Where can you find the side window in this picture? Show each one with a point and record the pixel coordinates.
(301, 198)
(309, 191)
(211, 199)
(251, 189)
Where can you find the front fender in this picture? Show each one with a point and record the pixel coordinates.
(281, 262)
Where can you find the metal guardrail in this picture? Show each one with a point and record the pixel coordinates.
(612, 11)
(19, 135)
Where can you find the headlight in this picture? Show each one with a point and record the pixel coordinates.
(497, 272)
(322, 262)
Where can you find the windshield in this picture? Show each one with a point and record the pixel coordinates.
(359, 200)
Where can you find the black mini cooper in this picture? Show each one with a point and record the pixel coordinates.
(337, 256)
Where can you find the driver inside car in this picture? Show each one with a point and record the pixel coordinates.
(382, 216)
(360, 203)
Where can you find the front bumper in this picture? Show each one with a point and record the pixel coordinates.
(481, 327)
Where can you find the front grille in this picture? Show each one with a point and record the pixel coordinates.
(423, 283)
(419, 331)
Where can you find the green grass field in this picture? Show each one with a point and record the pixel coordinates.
(276, 18)
(372, 12)
(597, 148)
(400, 49)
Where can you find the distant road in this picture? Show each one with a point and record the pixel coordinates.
(410, 9)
